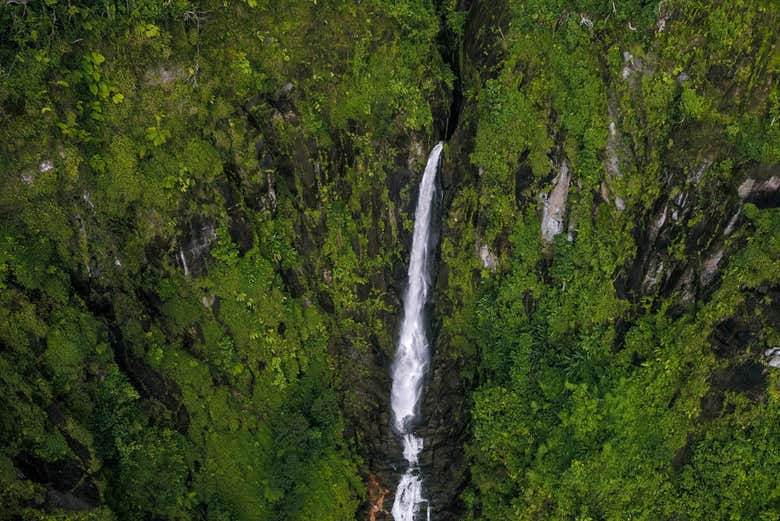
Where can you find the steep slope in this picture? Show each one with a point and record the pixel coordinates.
(205, 212)
(610, 260)
(205, 221)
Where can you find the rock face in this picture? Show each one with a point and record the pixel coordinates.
(683, 246)
(445, 432)
(753, 189)
(773, 357)
(554, 213)
(343, 204)
(192, 255)
(487, 257)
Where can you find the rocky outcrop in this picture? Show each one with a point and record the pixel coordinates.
(554, 211)
(772, 356)
(487, 257)
(66, 482)
(761, 191)
(193, 254)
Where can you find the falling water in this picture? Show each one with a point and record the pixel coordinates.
(412, 356)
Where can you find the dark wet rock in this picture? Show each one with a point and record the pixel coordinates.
(763, 191)
(445, 432)
(63, 474)
(240, 231)
(748, 378)
(197, 239)
(66, 482)
(151, 384)
(56, 500)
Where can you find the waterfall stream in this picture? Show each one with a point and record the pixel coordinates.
(412, 355)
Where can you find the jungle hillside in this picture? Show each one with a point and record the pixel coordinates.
(206, 217)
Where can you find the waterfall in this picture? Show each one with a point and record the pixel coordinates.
(412, 355)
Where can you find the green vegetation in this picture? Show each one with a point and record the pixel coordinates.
(601, 398)
(204, 215)
(163, 352)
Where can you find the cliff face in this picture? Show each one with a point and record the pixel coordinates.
(205, 234)
(205, 217)
(598, 177)
(599, 254)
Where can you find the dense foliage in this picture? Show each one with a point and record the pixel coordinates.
(604, 396)
(164, 354)
(204, 210)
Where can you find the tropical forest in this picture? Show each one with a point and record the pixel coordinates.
(390, 260)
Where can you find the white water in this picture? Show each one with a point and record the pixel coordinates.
(412, 355)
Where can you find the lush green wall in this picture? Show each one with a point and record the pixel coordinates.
(240, 140)
(203, 212)
(605, 393)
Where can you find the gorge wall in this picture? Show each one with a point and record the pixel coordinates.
(206, 222)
